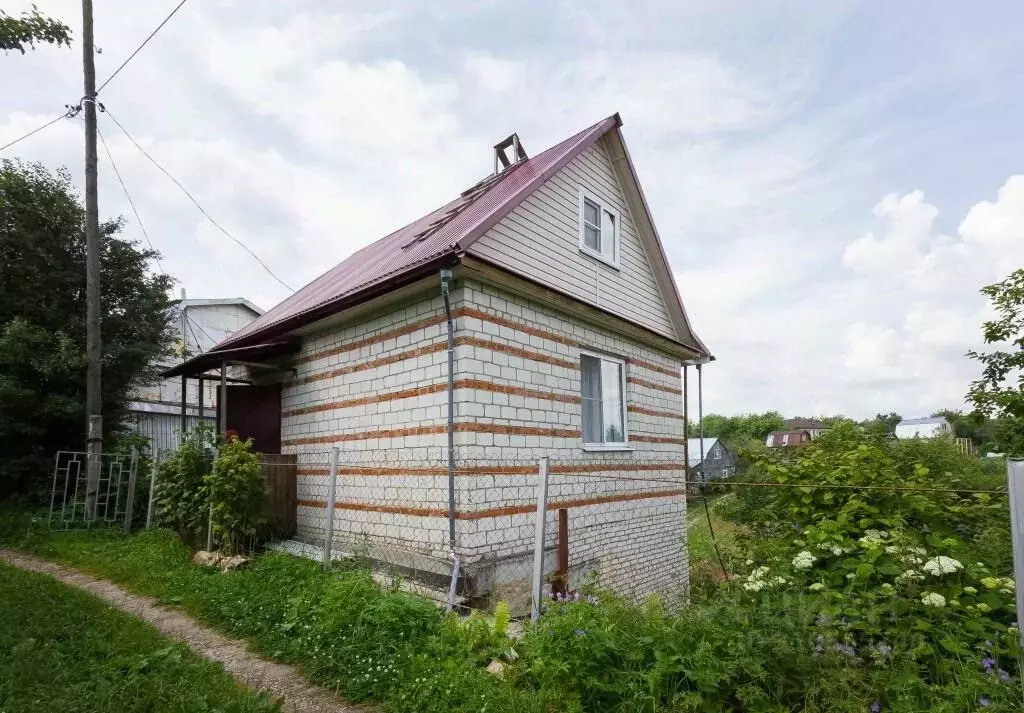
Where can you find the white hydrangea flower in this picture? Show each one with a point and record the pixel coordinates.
(816, 587)
(970, 590)
(891, 549)
(909, 576)
(873, 537)
(850, 575)
(941, 565)
(837, 550)
(804, 560)
(758, 573)
(755, 585)
(779, 580)
(933, 599)
(888, 588)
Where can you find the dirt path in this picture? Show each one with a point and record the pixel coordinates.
(300, 696)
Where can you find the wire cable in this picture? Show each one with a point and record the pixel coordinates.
(139, 48)
(127, 195)
(66, 115)
(200, 328)
(202, 210)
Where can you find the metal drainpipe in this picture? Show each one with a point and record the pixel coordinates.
(446, 276)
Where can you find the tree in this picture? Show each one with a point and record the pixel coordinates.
(735, 429)
(883, 424)
(17, 33)
(42, 322)
(1000, 390)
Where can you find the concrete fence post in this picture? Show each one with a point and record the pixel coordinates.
(538, 543)
(209, 525)
(332, 487)
(1015, 484)
(152, 489)
(133, 474)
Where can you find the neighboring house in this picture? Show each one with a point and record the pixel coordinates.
(933, 427)
(786, 439)
(568, 335)
(155, 409)
(813, 426)
(719, 460)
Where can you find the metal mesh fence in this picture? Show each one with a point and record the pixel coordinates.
(618, 524)
(609, 521)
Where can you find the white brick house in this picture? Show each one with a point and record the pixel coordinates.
(568, 338)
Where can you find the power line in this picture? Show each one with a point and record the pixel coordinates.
(202, 210)
(124, 188)
(200, 327)
(139, 48)
(72, 111)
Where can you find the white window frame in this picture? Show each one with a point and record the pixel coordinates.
(603, 446)
(603, 207)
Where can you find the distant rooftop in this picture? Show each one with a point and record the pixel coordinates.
(922, 421)
(217, 301)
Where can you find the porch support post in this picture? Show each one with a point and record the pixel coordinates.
(222, 400)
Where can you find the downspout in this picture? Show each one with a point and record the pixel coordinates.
(446, 277)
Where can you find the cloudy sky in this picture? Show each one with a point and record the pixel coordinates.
(833, 181)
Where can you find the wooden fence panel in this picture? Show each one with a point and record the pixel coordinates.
(279, 474)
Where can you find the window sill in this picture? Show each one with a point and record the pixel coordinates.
(598, 447)
(599, 257)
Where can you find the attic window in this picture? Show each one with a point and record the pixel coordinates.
(599, 229)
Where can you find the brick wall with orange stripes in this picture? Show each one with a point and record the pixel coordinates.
(379, 388)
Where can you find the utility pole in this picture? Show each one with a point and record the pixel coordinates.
(184, 358)
(93, 400)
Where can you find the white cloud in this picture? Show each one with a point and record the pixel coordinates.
(310, 129)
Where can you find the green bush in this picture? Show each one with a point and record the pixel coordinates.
(840, 599)
(182, 499)
(236, 491)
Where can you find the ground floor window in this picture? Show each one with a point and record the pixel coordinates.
(604, 400)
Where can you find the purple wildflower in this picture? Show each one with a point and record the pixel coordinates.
(1003, 676)
(580, 632)
(845, 649)
(819, 645)
(884, 650)
(876, 707)
(987, 663)
(984, 702)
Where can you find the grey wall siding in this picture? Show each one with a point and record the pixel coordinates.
(540, 240)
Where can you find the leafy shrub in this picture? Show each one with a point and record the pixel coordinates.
(236, 491)
(182, 499)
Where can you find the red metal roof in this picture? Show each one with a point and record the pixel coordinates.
(448, 231)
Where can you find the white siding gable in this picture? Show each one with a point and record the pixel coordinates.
(540, 240)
